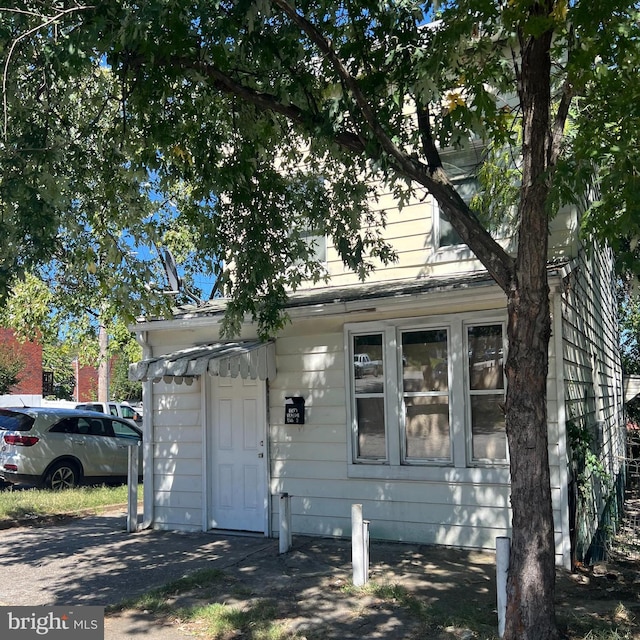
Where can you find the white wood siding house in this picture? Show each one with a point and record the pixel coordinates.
(415, 435)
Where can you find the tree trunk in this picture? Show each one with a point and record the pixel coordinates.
(103, 365)
(531, 581)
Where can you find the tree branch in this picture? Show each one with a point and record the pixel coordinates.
(349, 81)
(560, 119)
(263, 101)
(433, 178)
(23, 12)
(489, 252)
(557, 126)
(15, 43)
(428, 146)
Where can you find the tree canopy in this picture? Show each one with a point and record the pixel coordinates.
(234, 128)
(132, 125)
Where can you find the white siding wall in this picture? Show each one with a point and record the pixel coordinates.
(309, 461)
(462, 507)
(177, 454)
(455, 506)
(410, 232)
(594, 391)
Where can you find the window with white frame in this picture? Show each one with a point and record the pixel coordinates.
(486, 391)
(430, 394)
(461, 166)
(425, 395)
(369, 387)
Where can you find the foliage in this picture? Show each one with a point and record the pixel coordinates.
(629, 320)
(588, 467)
(629, 312)
(58, 358)
(170, 142)
(603, 141)
(633, 410)
(11, 367)
(37, 310)
(28, 310)
(126, 352)
(80, 212)
(231, 128)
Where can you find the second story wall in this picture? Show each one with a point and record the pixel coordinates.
(414, 233)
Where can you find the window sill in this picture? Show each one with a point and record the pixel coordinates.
(496, 474)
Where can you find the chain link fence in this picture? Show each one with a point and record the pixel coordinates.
(627, 540)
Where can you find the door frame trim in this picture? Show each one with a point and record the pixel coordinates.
(208, 397)
(205, 396)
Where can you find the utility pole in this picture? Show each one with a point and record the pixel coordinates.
(103, 364)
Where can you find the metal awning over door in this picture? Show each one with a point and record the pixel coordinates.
(247, 359)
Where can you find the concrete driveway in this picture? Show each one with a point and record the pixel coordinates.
(94, 561)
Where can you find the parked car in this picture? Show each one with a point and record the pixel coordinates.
(137, 407)
(63, 448)
(363, 365)
(120, 409)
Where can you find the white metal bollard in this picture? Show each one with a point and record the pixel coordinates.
(503, 547)
(284, 541)
(365, 542)
(132, 486)
(359, 546)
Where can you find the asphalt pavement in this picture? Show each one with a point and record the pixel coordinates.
(93, 560)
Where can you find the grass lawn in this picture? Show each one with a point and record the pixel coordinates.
(26, 504)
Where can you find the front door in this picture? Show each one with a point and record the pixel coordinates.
(237, 475)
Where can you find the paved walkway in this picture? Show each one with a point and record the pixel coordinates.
(94, 561)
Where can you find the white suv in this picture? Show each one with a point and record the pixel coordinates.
(61, 448)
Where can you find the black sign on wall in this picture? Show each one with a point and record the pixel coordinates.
(294, 410)
(47, 383)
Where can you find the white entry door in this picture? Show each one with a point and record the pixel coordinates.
(237, 476)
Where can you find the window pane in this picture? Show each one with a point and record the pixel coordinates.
(486, 363)
(68, 425)
(466, 188)
(100, 427)
(371, 436)
(127, 412)
(448, 235)
(424, 361)
(83, 426)
(124, 430)
(14, 421)
(487, 427)
(427, 427)
(368, 369)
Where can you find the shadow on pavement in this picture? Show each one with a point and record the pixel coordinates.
(94, 561)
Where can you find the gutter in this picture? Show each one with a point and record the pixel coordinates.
(148, 438)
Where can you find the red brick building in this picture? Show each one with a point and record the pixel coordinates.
(32, 378)
(31, 353)
(86, 388)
